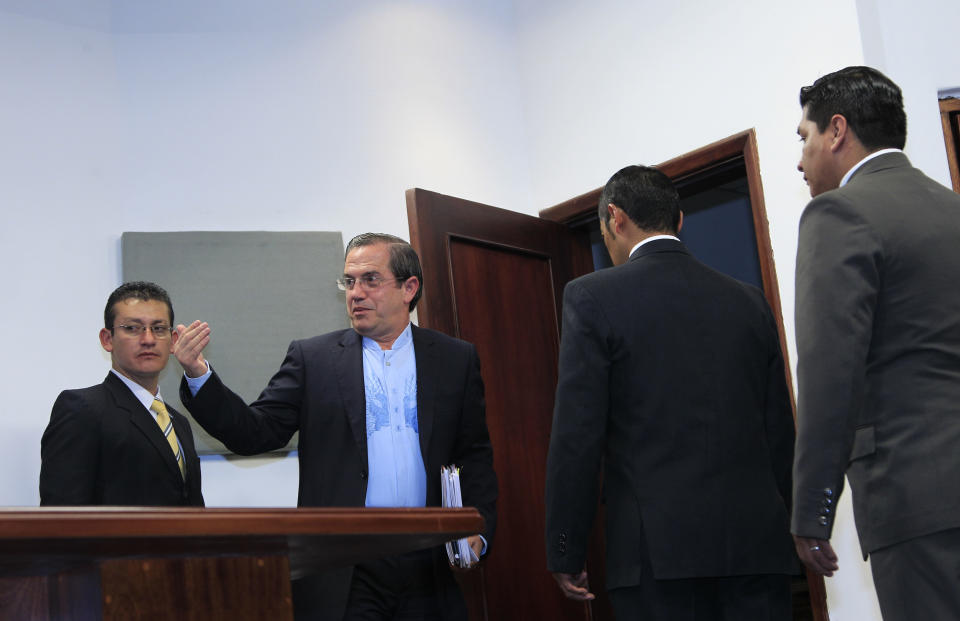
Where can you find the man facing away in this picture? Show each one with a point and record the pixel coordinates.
(380, 407)
(117, 443)
(671, 378)
(878, 336)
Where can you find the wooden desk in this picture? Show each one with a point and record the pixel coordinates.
(73, 563)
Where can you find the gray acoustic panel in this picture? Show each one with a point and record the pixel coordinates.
(257, 290)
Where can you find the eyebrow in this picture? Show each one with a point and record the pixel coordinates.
(370, 273)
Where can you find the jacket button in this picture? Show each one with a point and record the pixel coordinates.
(828, 492)
(823, 520)
(363, 475)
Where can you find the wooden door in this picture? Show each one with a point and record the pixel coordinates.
(495, 278)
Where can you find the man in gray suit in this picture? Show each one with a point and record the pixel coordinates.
(878, 332)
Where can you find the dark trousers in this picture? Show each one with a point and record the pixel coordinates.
(395, 588)
(919, 578)
(727, 598)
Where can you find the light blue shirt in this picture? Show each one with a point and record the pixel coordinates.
(397, 475)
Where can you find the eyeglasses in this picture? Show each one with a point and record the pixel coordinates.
(369, 282)
(158, 332)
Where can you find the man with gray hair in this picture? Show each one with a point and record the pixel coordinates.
(380, 407)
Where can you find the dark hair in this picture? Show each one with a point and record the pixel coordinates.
(404, 262)
(869, 100)
(646, 195)
(138, 290)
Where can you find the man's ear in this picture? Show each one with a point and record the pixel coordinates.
(837, 129)
(106, 339)
(617, 218)
(680, 221)
(611, 212)
(410, 288)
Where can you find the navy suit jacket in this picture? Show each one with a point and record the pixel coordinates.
(319, 392)
(671, 377)
(102, 447)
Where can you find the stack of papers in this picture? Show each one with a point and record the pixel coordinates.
(459, 552)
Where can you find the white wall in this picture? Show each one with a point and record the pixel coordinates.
(241, 115)
(915, 44)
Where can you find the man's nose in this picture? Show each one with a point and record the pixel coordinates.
(357, 293)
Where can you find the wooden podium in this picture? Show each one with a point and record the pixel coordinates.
(112, 563)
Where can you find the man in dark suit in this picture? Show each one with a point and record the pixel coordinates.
(671, 377)
(878, 334)
(380, 408)
(116, 443)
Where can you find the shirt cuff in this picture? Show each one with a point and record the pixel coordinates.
(484, 540)
(196, 383)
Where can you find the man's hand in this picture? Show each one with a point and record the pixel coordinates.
(574, 586)
(476, 544)
(816, 554)
(189, 347)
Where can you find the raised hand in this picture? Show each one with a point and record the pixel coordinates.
(189, 347)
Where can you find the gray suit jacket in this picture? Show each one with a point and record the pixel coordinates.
(878, 332)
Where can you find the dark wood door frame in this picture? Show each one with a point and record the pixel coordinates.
(950, 118)
(741, 146)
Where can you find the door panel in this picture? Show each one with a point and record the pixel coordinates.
(495, 278)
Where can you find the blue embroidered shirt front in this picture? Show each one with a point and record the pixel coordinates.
(397, 475)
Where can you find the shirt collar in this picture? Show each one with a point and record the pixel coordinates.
(856, 166)
(650, 239)
(405, 338)
(142, 394)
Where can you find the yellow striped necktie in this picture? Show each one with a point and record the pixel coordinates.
(163, 419)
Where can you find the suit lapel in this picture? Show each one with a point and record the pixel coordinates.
(142, 420)
(426, 385)
(349, 366)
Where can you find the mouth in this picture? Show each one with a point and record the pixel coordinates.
(148, 355)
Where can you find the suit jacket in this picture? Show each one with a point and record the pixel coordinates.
(878, 336)
(670, 376)
(319, 391)
(102, 447)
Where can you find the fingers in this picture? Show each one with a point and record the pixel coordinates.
(574, 586)
(189, 347)
(817, 554)
(476, 544)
